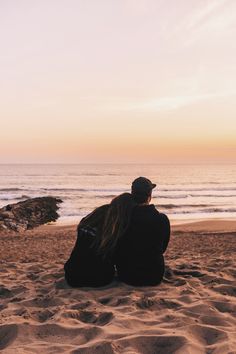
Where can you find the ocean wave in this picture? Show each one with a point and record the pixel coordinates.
(64, 189)
(179, 196)
(12, 197)
(174, 206)
(182, 196)
(11, 189)
(24, 196)
(83, 189)
(220, 210)
(73, 213)
(205, 211)
(195, 189)
(104, 196)
(213, 195)
(188, 191)
(211, 211)
(84, 174)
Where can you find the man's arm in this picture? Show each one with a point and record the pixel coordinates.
(165, 231)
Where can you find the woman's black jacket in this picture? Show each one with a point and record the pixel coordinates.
(86, 267)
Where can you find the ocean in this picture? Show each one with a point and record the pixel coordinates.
(183, 192)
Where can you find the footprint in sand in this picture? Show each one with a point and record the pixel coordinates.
(157, 304)
(43, 316)
(189, 273)
(187, 266)
(207, 335)
(4, 292)
(199, 309)
(44, 301)
(105, 300)
(225, 307)
(114, 302)
(223, 289)
(216, 321)
(62, 284)
(8, 334)
(56, 334)
(81, 305)
(104, 318)
(17, 299)
(99, 319)
(145, 302)
(32, 276)
(90, 317)
(101, 348)
(154, 344)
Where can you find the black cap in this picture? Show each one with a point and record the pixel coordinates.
(142, 185)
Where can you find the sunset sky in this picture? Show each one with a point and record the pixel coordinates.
(117, 81)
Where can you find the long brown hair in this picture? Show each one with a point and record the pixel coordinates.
(116, 223)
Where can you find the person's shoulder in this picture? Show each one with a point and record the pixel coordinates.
(86, 231)
(164, 220)
(146, 211)
(154, 211)
(160, 216)
(163, 217)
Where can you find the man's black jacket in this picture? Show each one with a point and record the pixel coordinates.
(139, 255)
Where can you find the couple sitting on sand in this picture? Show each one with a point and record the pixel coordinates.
(128, 235)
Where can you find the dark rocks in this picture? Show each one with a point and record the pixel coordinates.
(29, 213)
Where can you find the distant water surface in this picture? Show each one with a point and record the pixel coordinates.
(184, 192)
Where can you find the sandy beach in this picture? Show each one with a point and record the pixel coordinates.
(129, 106)
(192, 311)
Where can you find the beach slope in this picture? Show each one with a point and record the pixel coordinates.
(192, 311)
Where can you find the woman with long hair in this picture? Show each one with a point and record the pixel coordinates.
(91, 262)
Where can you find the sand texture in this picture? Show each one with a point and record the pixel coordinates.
(192, 311)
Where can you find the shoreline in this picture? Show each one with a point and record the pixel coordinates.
(192, 311)
(201, 225)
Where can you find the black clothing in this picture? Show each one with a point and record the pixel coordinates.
(139, 255)
(86, 267)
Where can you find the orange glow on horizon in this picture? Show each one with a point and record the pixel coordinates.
(82, 87)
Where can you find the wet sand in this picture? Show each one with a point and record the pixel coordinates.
(192, 311)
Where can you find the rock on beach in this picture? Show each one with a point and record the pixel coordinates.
(29, 213)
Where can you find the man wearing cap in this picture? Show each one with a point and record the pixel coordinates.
(139, 258)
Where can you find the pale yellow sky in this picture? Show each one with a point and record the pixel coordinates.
(125, 81)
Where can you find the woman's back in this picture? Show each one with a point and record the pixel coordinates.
(86, 266)
(91, 261)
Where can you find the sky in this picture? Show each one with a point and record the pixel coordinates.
(117, 81)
